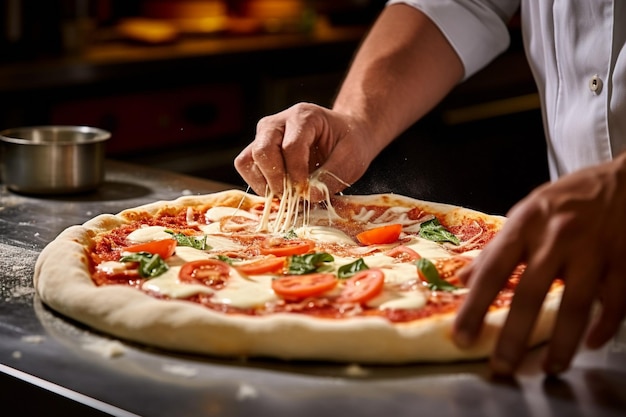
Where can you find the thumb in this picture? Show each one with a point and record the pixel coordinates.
(341, 170)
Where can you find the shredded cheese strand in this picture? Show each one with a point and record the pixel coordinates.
(267, 209)
(296, 200)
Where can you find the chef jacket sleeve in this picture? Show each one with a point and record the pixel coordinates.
(476, 29)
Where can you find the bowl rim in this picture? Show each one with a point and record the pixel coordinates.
(101, 135)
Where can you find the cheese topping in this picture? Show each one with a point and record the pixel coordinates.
(246, 292)
(325, 234)
(255, 291)
(219, 243)
(405, 300)
(215, 214)
(111, 267)
(169, 285)
(189, 254)
(427, 248)
(148, 234)
(394, 272)
(295, 205)
(294, 213)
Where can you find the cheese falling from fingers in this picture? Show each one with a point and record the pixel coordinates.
(295, 199)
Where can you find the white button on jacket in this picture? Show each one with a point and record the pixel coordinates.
(573, 46)
(595, 84)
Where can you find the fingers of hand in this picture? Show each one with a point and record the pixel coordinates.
(613, 308)
(581, 276)
(250, 173)
(465, 273)
(266, 150)
(299, 137)
(283, 146)
(486, 277)
(345, 164)
(525, 307)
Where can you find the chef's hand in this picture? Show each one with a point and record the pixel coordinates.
(574, 229)
(301, 140)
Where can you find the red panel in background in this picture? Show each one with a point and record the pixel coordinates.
(159, 119)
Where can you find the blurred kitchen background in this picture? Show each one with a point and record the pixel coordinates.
(182, 83)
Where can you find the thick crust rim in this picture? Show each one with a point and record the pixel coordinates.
(63, 282)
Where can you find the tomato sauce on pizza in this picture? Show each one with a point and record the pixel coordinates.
(373, 258)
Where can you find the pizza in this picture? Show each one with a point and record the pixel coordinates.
(354, 278)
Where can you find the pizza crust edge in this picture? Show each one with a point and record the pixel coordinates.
(63, 282)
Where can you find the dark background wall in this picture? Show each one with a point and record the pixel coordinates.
(191, 103)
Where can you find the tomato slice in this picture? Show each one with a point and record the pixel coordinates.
(448, 268)
(262, 266)
(303, 286)
(404, 253)
(363, 286)
(210, 272)
(164, 248)
(380, 235)
(285, 247)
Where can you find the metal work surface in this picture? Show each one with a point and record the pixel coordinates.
(51, 365)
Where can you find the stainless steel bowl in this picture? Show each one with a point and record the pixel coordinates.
(53, 159)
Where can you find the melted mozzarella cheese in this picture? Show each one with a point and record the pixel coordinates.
(393, 215)
(189, 254)
(219, 243)
(169, 285)
(211, 228)
(215, 214)
(295, 206)
(111, 267)
(427, 249)
(148, 234)
(364, 216)
(405, 300)
(398, 299)
(189, 217)
(395, 273)
(239, 291)
(246, 292)
(472, 253)
(325, 234)
(316, 182)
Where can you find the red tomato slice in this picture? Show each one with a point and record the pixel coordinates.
(262, 266)
(363, 286)
(303, 286)
(128, 276)
(450, 267)
(285, 247)
(404, 253)
(164, 248)
(380, 235)
(210, 272)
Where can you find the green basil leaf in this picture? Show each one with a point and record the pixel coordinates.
(433, 230)
(309, 263)
(290, 235)
(346, 271)
(150, 265)
(196, 242)
(226, 259)
(435, 282)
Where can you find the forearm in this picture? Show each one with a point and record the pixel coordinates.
(403, 69)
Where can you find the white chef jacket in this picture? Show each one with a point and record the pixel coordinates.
(577, 52)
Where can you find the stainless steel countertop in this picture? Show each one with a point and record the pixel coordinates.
(64, 368)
